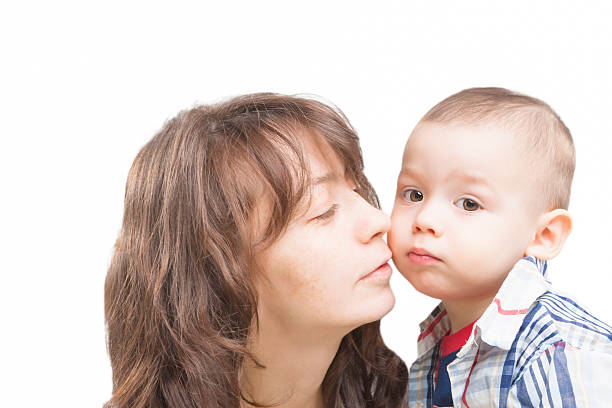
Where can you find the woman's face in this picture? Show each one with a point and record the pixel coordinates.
(329, 269)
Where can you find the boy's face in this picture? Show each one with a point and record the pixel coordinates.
(464, 211)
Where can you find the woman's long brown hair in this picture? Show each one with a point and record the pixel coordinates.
(179, 294)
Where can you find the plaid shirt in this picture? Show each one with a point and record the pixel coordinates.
(532, 347)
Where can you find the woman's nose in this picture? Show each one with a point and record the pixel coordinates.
(373, 224)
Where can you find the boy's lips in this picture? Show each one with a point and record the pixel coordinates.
(421, 256)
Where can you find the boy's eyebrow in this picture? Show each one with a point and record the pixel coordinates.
(464, 175)
(409, 171)
(470, 176)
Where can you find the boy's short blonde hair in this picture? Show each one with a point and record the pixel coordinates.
(547, 141)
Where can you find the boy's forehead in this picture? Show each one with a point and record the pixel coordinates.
(461, 139)
(473, 152)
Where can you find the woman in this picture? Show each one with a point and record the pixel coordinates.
(250, 269)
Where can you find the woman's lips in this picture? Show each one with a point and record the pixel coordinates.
(382, 273)
(420, 256)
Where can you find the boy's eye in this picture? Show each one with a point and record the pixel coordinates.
(412, 194)
(468, 204)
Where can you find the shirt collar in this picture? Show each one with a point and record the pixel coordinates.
(501, 321)
(436, 326)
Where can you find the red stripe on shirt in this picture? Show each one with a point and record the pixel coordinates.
(433, 324)
(503, 311)
(467, 382)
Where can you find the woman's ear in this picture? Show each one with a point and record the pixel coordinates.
(553, 228)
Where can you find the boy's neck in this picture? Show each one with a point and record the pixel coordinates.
(463, 312)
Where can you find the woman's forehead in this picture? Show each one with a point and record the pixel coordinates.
(324, 163)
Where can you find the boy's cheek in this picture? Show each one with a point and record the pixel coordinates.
(400, 219)
(391, 238)
(393, 212)
(397, 236)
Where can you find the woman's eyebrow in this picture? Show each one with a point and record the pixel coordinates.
(326, 178)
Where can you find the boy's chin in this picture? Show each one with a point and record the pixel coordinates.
(427, 285)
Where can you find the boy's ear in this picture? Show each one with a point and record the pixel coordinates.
(553, 228)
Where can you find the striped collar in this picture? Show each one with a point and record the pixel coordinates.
(502, 319)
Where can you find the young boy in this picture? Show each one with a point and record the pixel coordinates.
(481, 204)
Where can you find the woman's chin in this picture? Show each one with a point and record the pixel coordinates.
(376, 307)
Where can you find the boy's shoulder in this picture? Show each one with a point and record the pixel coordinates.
(557, 335)
(560, 351)
(572, 325)
(529, 316)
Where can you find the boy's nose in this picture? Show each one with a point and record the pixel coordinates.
(425, 222)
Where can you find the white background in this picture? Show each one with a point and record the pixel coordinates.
(83, 86)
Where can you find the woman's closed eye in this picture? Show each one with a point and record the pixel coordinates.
(468, 204)
(412, 195)
(327, 214)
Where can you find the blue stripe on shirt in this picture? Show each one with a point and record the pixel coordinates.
(563, 378)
